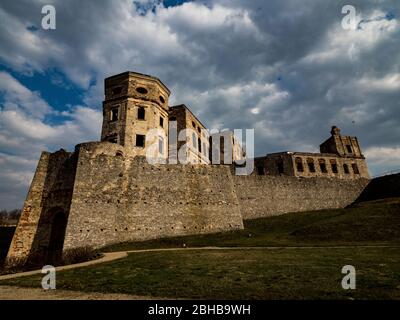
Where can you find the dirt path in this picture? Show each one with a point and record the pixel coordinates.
(110, 256)
(18, 293)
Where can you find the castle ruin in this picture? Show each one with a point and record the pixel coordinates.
(106, 192)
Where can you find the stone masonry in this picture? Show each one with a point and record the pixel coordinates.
(106, 192)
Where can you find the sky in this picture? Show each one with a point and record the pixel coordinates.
(286, 68)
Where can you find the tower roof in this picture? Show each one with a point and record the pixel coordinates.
(140, 75)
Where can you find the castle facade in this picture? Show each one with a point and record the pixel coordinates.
(107, 192)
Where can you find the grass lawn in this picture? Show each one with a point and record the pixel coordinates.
(368, 223)
(259, 273)
(240, 274)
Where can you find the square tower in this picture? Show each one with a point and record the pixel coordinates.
(344, 146)
(135, 114)
(191, 139)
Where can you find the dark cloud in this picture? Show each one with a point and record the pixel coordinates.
(286, 68)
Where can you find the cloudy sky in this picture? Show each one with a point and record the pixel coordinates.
(286, 68)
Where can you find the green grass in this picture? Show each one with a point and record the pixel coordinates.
(259, 273)
(240, 274)
(369, 223)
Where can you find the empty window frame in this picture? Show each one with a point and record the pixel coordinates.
(346, 169)
(322, 166)
(348, 147)
(141, 113)
(279, 165)
(194, 140)
(310, 164)
(161, 145)
(334, 166)
(161, 122)
(299, 164)
(140, 140)
(117, 90)
(355, 168)
(199, 144)
(113, 139)
(114, 114)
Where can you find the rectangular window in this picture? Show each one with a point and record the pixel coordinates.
(260, 171)
(140, 139)
(161, 122)
(199, 144)
(113, 139)
(299, 164)
(334, 166)
(161, 145)
(322, 166)
(348, 147)
(117, 90)
(194, 140)
(311, 166)
(279, 165)
(114, 114)
(141, 113)
(355, 169)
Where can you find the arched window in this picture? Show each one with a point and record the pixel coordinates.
(334, 166)
(114, 114)
(310, 163)
(322, 166)
(355, 168)
(141, 113)
(299, 164)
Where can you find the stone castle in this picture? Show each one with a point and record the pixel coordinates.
(107, 192)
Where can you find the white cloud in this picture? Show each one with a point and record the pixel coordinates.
(390, 82)
(17, 96)
(288, 71)
(347, 45)
(24, 134)
(384, 155)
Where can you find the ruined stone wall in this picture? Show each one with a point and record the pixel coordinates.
(50, 193)
(124, 199)
(262, 196)
(99, 196)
